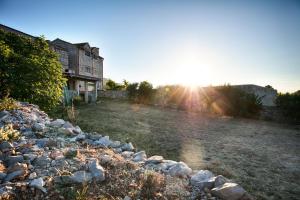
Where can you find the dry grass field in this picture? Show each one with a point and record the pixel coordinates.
(261, 156)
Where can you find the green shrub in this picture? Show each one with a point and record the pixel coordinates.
(289, 104)
(30, 71)
(77, 100)
(7, 133)
(8, 104)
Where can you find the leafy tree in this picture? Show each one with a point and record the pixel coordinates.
(145, 92)
(30, 70)
(111, 85)
(125, 84)
(132, 90)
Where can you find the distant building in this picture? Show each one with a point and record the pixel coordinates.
(82, 65)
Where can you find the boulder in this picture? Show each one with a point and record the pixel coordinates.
(203, 179)
(81, 177)
(98, 173)
(139, 156)
(228, 191)
(180, 169)
(127, 154)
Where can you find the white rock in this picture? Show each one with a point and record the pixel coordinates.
(203, 179)
(180, 169)
(104, 141)
(155, 159)
(57, 123)
(38, 183)
(97, 170)
(33, 175)
(81, 177)
(139, 156)
(228, 191)
(127, 147)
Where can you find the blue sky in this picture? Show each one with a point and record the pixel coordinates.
(169, 42)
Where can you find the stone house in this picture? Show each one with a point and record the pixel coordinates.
(82, 65)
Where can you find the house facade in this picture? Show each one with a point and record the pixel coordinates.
(81, 65)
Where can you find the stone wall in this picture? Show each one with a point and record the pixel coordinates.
(268, 95)
(115, 94)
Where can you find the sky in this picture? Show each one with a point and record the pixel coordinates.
(175, 42)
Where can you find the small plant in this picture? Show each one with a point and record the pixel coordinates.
(151, 184)
(71, 114)
(7, 133)
(8, 104)
(81, 194)
(77, 100)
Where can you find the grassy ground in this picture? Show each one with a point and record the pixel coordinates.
(263, 157)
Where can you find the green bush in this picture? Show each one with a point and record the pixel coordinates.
(289, 104)
(8, 104)
(30, 70)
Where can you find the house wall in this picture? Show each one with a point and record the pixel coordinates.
(90, 66)
(72, 53)
(63, 57)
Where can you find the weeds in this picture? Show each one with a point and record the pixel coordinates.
(151, 184)
(7, 133)
(8, 104)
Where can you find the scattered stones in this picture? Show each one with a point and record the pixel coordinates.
(229, 191)
(56, 152)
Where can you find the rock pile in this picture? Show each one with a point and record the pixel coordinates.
(53, 154)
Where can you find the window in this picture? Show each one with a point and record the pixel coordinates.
(87, 69)
(87, 53)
